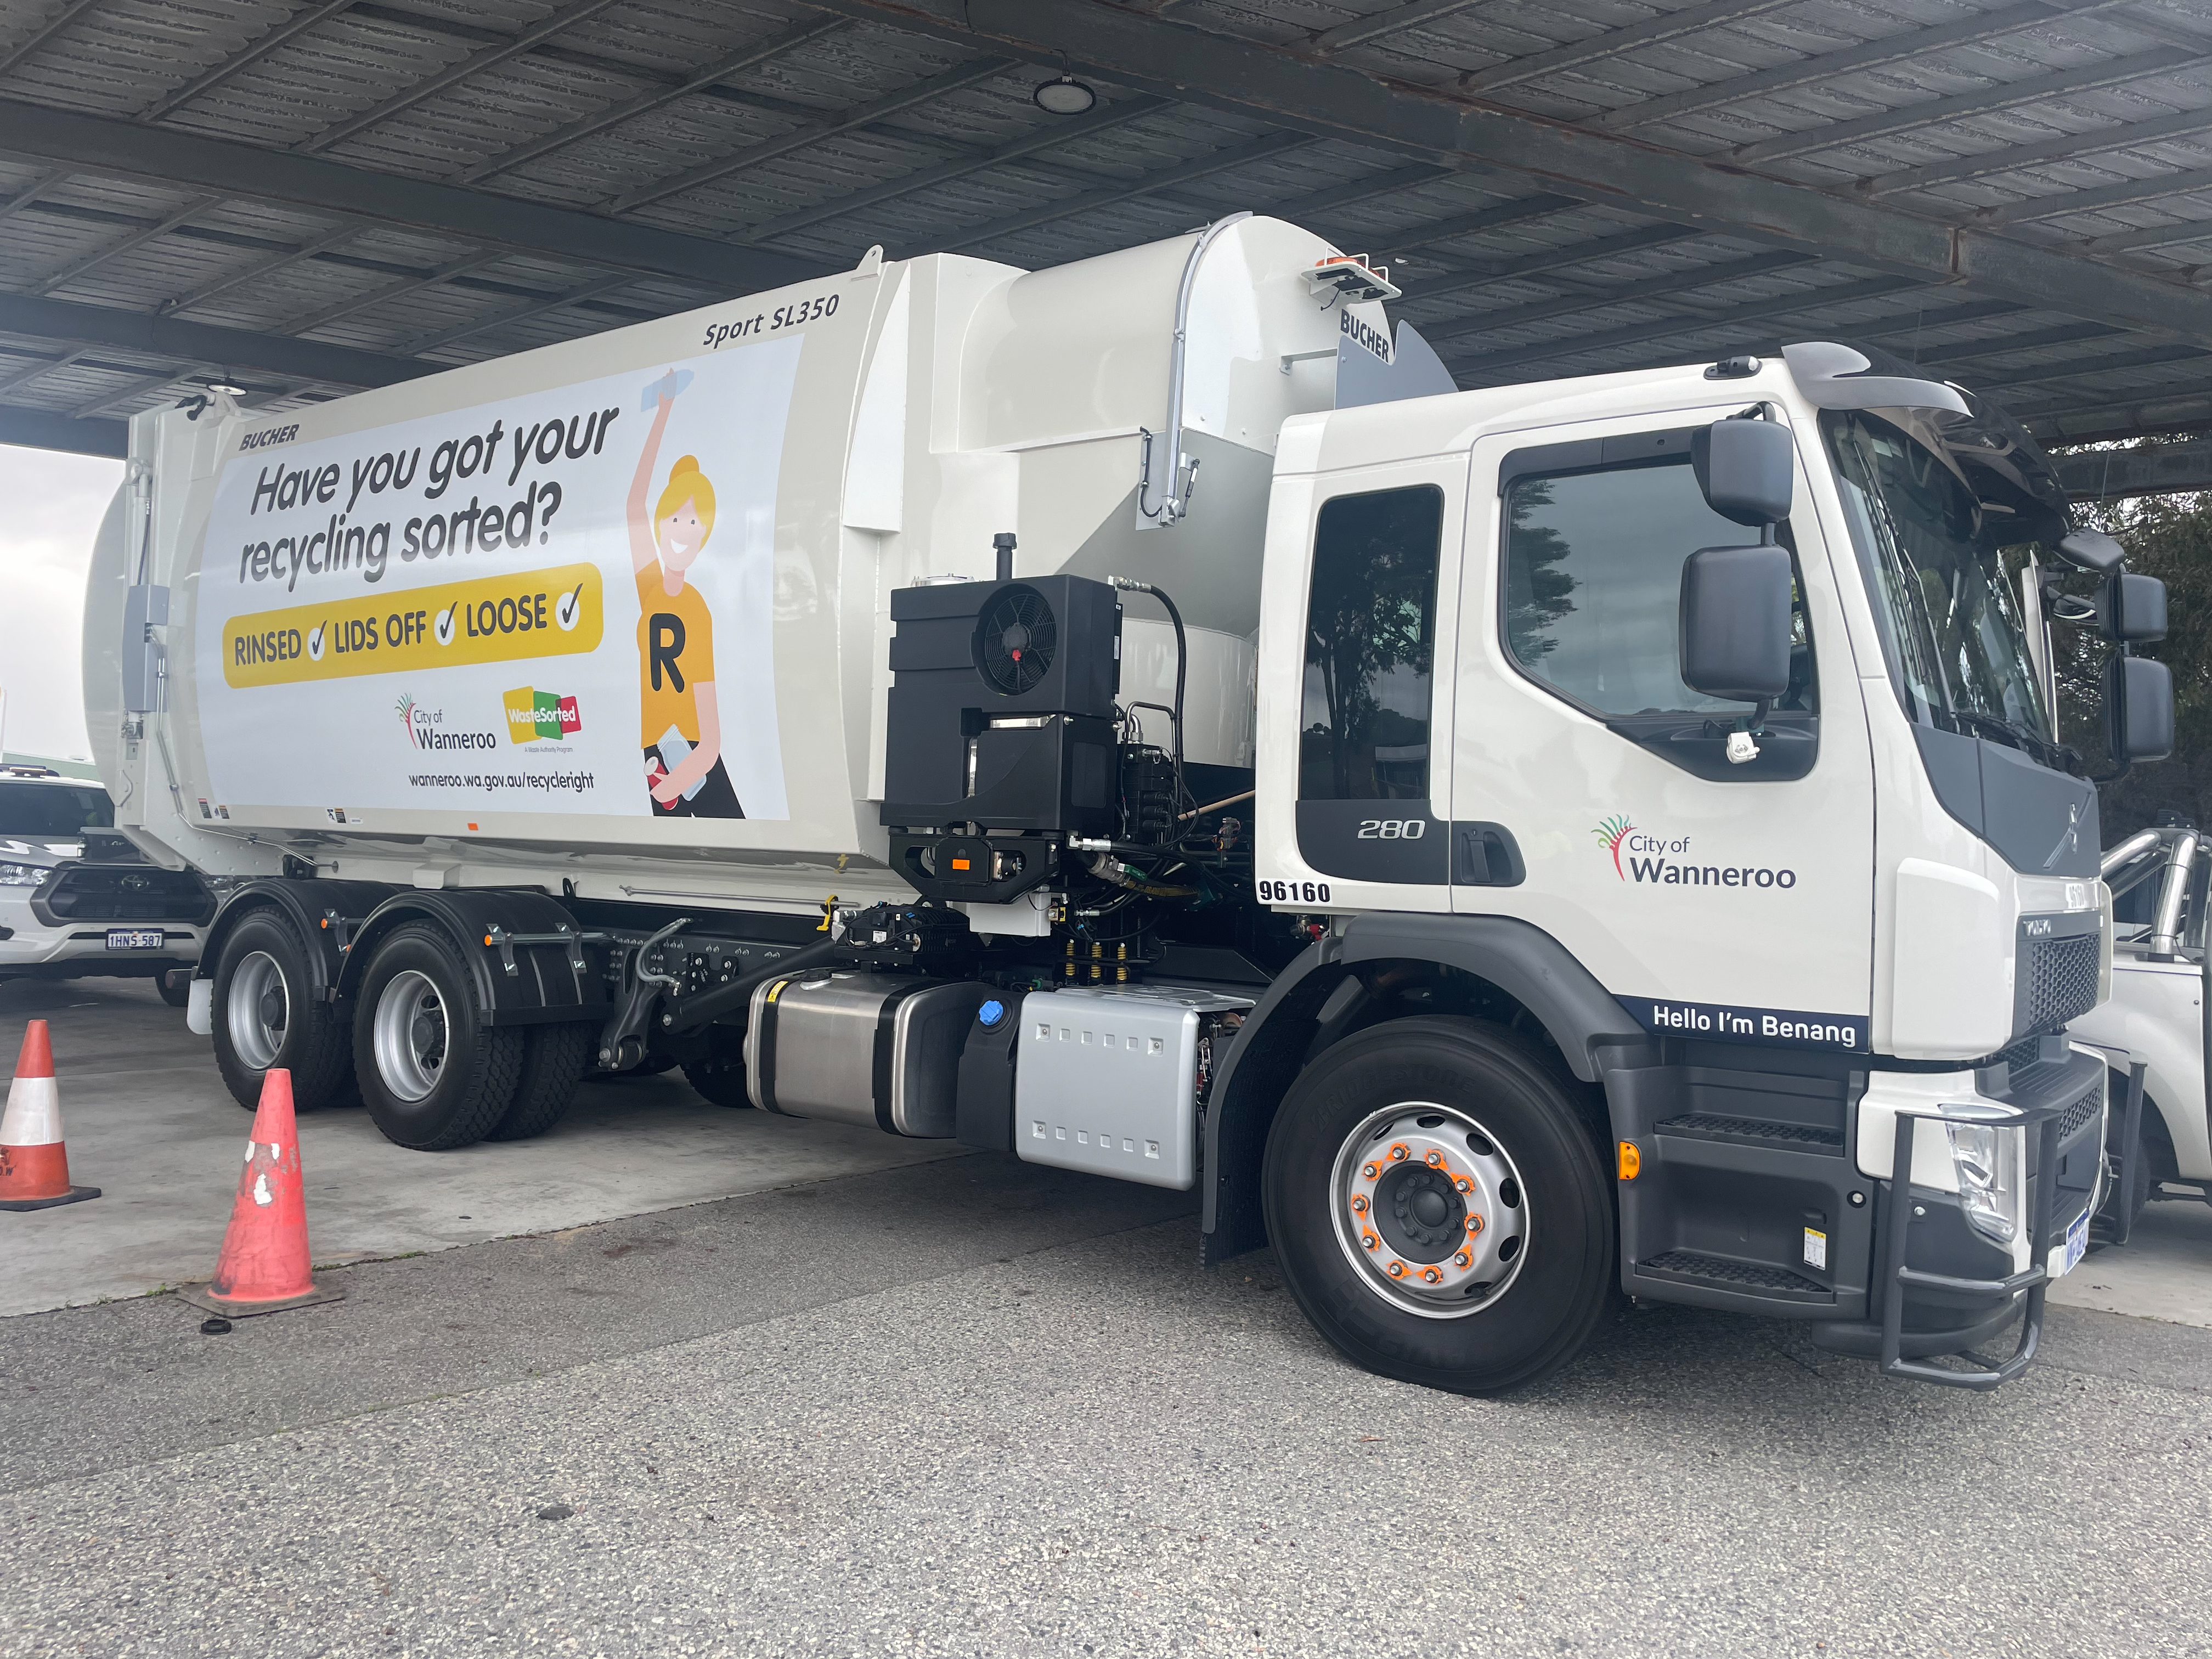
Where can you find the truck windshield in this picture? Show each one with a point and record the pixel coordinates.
(1936, 562)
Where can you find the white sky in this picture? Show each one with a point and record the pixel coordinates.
(54, 504)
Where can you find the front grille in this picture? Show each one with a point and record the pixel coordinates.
(124, 892)
(2062, 980)
(2079, 1113)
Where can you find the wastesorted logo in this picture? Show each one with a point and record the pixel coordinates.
(534, 716)
(1612, 831)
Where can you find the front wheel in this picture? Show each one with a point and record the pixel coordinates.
(433, 1074)
(1439, 1206)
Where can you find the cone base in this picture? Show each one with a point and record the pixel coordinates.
(73, 1195)
(198, 1296)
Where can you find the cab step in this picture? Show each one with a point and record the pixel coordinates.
(1724, 1273)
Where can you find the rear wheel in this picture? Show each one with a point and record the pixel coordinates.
(1439, 1206)
(268, 1014)
(433, 1074)
(553, 1061)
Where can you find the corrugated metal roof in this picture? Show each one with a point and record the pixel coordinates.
(2075, 129)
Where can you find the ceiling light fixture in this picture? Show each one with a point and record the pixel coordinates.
(1066, 96)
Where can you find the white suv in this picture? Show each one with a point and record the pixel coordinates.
(78, 899)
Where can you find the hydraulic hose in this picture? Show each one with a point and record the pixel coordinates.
(1128, 584)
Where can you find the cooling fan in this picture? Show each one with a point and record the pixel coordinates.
(1014, 641)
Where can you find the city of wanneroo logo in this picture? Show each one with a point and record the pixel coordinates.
(426, 728)
(1612, 831)
(1639, 856)
(533, 716)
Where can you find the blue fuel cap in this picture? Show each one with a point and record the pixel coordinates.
(991, 1012)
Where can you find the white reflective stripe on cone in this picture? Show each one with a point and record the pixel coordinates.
(34, 1117)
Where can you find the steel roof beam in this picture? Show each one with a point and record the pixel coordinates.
(1598, 299)
(95, 144)
(32, 371)
(1391, 20)
(577, 11)
(745, 58)
(2120, 242)
(918, 92)
(137, 238)
(69, 322)
(2036, 373)
(44, 32)
(2187, 124)
(267, 267)
(37, 428)
(1905, 44)
(2169, 469)
(1577, 54)
(1102, 119)
(1986, 100)
(260, 47)
(1425, 124)
(1552, 258)
(1643, 333)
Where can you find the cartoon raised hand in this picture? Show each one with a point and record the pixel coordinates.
(666, 390)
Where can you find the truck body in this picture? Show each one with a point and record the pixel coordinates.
(1504, 848)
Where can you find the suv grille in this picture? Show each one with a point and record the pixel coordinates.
(123, 892)
(2062, 980)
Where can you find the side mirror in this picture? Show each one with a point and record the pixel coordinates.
(2092, 550)
(2132, 608)
(2138, 709)
(1735, 622)
(1744, 469)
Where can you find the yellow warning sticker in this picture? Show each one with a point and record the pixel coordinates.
(557, 612)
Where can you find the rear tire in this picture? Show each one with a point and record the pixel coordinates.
(268, 1014)
(433, 1075)
(1498, 1199)
(553, 1061)
(720, 1077)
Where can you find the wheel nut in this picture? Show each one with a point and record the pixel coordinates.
(1397, 1153)
(1370, 1171)
(1464, 1184)
(1359, 1203)
(1462, 1258)
(1397, 1270)
(1431, 1274)
(1473, 1226)
(1371, 1241)
(1434, 1158)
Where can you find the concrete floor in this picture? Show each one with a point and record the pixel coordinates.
(149, 1122)
(967, 1406)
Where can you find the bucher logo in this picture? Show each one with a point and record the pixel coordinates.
(426, 728)
(1639, 856)
(533, 716)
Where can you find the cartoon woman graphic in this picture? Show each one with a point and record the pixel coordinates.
(682, 725)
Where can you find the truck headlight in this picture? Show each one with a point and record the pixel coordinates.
(22, 875)
(1987, 1160)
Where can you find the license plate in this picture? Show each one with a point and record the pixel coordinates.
(136, 938)
(2077, 1243)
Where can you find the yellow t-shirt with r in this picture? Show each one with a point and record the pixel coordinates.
(675, 654)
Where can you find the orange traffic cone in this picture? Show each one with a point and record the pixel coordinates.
(33, 1163)
(264, 1265)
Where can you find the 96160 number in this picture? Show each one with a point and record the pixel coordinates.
(1293, 892)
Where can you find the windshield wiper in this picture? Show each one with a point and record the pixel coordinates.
(2035, 746)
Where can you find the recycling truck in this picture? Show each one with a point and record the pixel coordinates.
(1506, 849)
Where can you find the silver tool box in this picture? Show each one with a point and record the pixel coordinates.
(1108, 1080)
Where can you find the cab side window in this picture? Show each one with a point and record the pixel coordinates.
(1592, 583)
(1371, 632)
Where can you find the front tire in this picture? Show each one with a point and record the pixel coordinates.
(268, 1014)
(433, 1074)
(1440, 1208)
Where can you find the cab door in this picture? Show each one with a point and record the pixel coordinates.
(1358, 630)
(1719, 900)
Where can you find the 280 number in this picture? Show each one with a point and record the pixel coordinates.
(1293, 892)
(1392, 829)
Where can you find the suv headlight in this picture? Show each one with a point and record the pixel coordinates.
(1988, 1161)
(22, 875)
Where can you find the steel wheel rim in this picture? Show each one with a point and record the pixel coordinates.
(259, 1010)
(1430, 1210)
(412, 1035)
